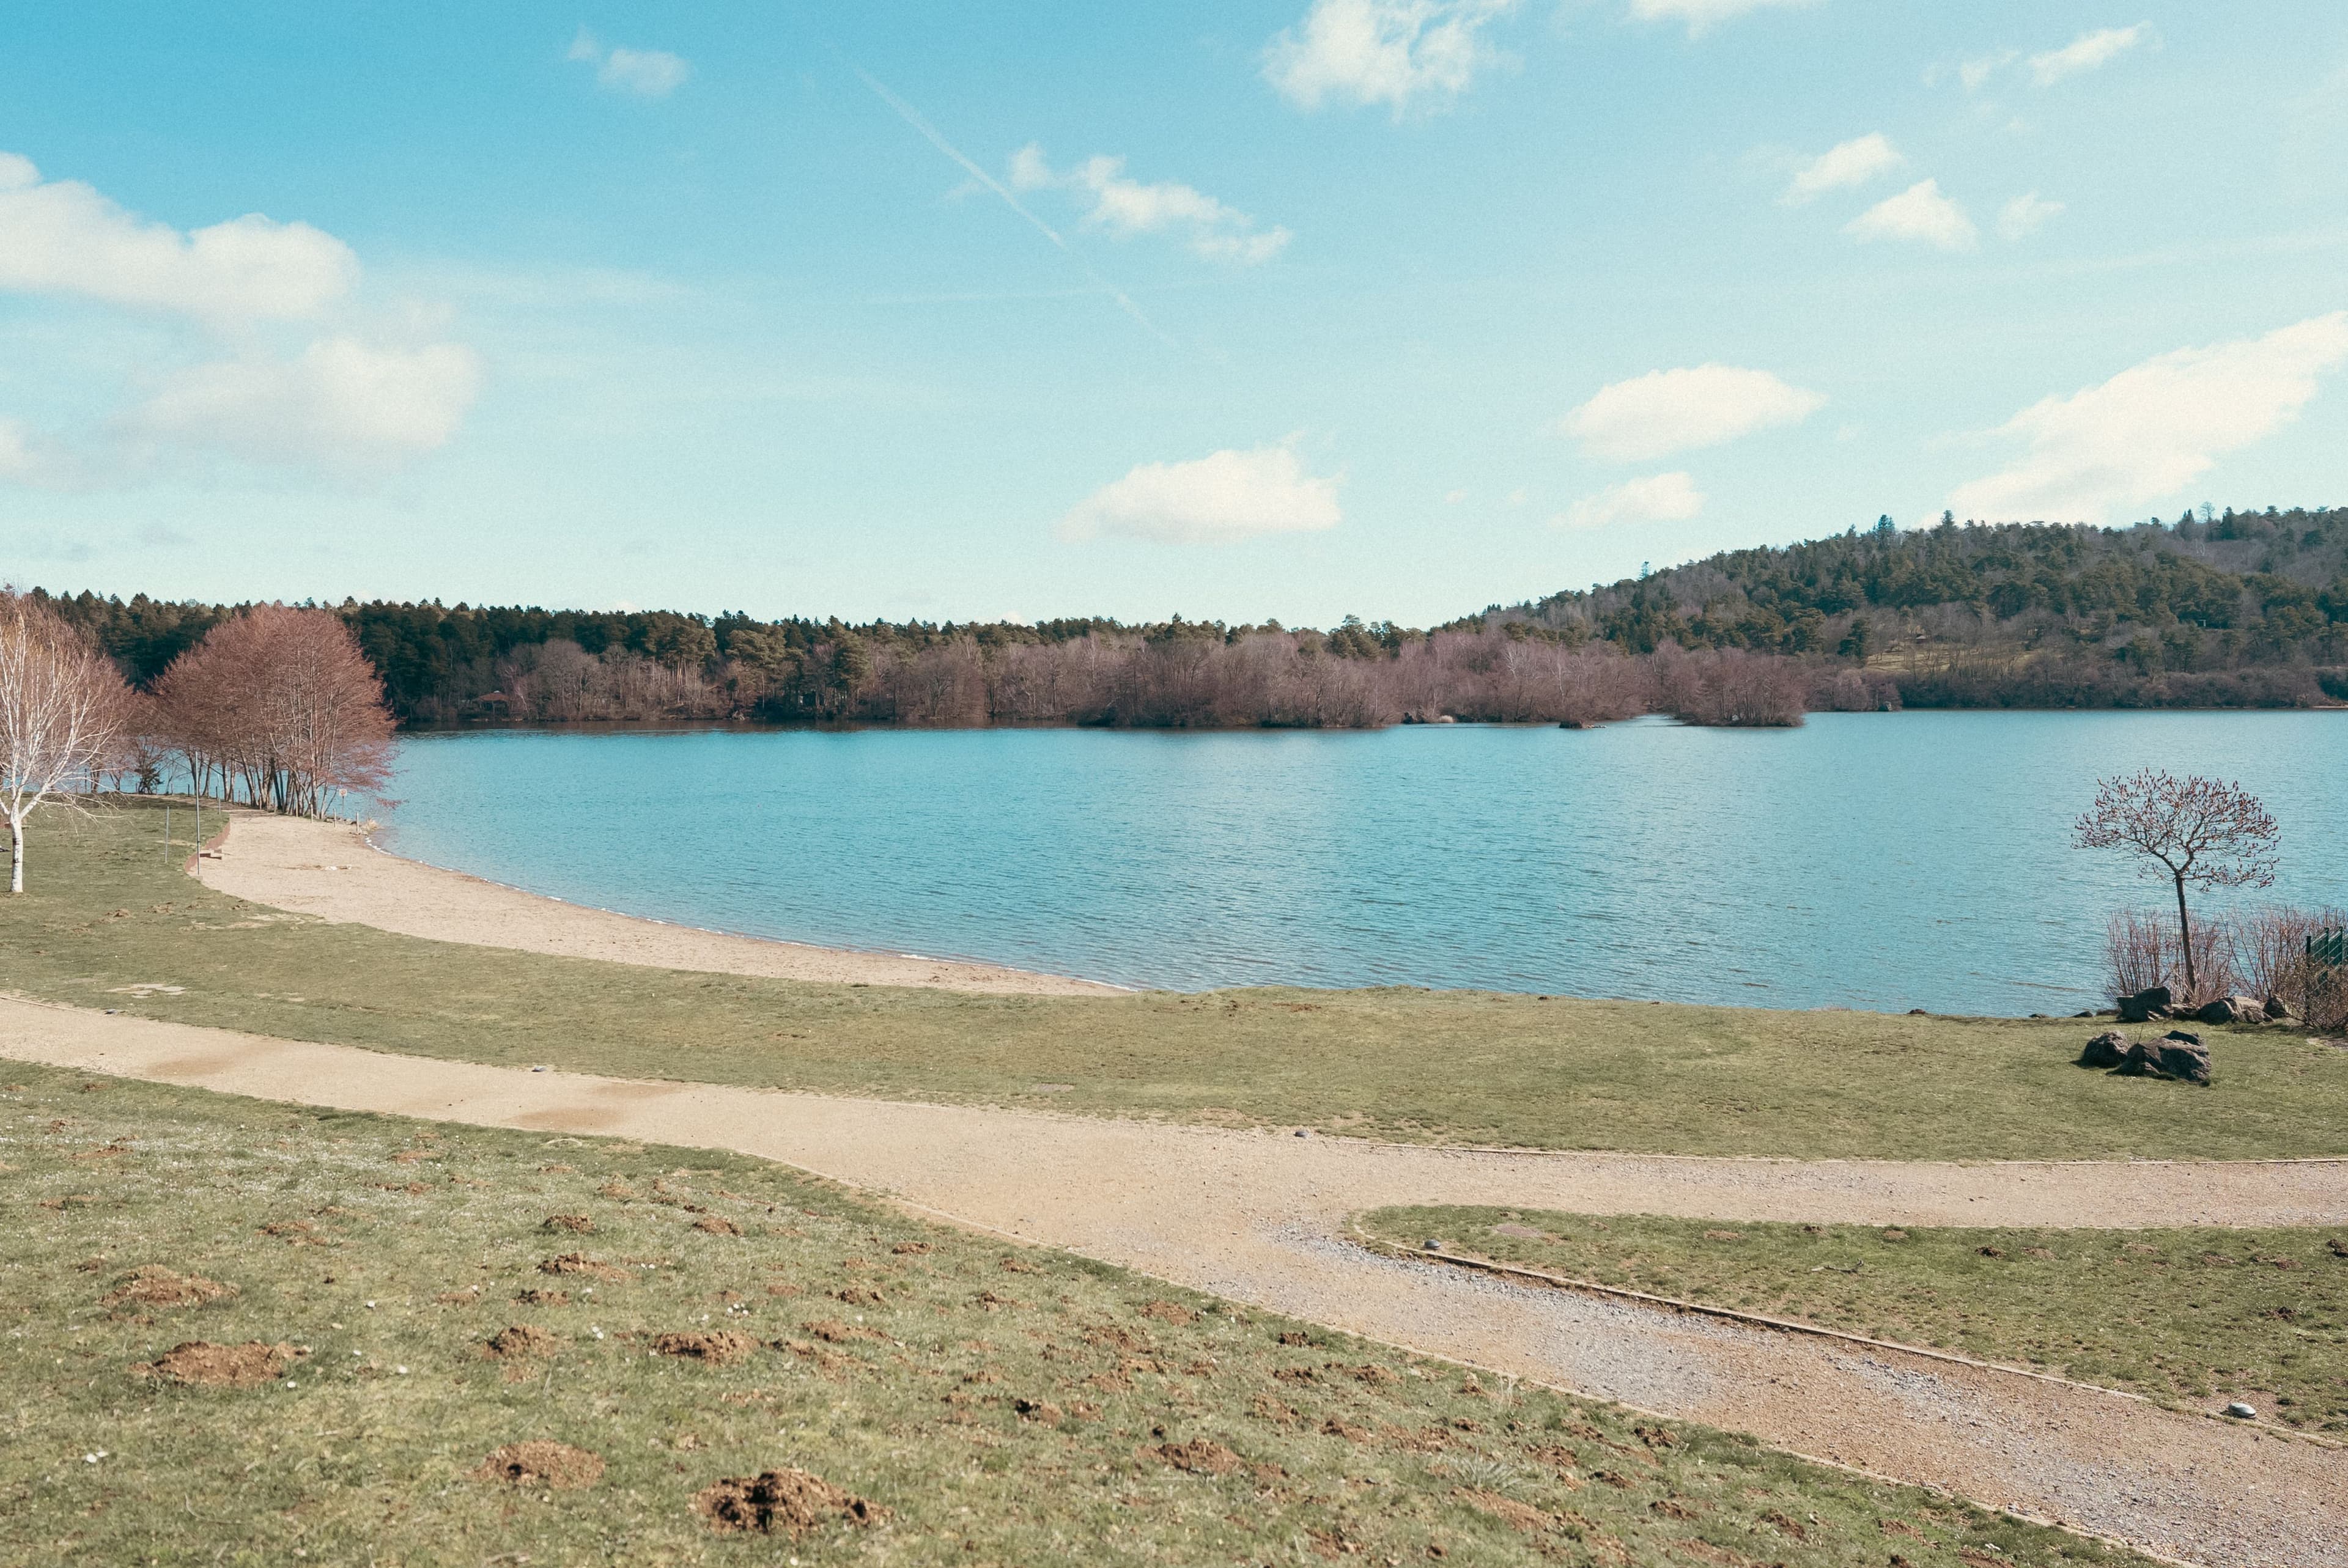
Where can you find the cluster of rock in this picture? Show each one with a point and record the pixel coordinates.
(2178, 1054)
(2159, 1002)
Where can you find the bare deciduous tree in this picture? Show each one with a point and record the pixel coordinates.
(279, 707)
(2206, 832)
(62, 704)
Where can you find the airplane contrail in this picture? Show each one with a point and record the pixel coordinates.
(930, 133)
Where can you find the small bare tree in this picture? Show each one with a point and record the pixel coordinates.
(2205, 833)
(62, 705)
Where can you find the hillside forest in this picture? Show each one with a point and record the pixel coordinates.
(2232, 609)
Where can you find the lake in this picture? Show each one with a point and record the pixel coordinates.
(1867, 860)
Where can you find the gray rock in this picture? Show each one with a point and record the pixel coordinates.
(2234, 1009)
(2176, 1055)
(2152, 1002)
(2108, 1050)
(2242, 1412)
(2183, 1057)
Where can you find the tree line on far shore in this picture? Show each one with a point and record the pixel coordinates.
(2242, 610)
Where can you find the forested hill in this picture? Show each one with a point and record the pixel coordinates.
(2239, 608)
(2246, 609)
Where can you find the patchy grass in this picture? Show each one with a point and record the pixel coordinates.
(413, 1364)
(108, 916)
(2193, 1318)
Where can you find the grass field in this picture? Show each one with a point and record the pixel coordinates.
(987, 1406)
(106, 913)
(2192, 1318)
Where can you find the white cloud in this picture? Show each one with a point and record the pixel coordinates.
(2025, 215)
(1853, 162)
(1657, 498)
(61, 237)
(1128, 207)
(646, 73)
(2150, 431)
(341, 404)
(2086, 53)
(20, 457)
(339, 401)
(1701, 15)
(1919, 213)
(1222, 499)
(1976, 74)
(1404, 53)
(1668, 411)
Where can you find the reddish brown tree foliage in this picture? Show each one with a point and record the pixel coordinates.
(62, 707)
(2206, 832)
(278, 708)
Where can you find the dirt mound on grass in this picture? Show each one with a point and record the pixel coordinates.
(718, 1349)
(579, 1262)
(577, 1223)
(520, 1340)
(210, 1365)
(156, 1286)
(558, 1466)
(1201, 1456)
(781, 1502)
(717, 1224)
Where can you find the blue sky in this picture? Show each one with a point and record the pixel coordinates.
(1292, 309)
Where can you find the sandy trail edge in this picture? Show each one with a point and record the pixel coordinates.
(330, 870)
(1255, 1216)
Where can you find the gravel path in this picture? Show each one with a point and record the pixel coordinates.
(1256, 1216)
(330, 870)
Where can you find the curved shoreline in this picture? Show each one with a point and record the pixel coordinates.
(339, 874)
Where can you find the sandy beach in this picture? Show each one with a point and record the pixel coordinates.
(332, 871)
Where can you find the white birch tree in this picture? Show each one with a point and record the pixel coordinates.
(62, 705)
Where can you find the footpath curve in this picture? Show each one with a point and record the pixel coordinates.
(1258, 1217)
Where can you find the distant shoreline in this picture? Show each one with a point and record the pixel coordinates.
(854, 726)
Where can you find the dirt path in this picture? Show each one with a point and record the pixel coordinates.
(1255, 1216)
(329, 870)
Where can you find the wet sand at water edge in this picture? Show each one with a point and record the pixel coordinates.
(332, 871)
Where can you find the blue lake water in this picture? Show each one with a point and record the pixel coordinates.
(1881, 861)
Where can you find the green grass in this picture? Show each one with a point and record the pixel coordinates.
(888, 1357)
(2187, 1317)
(106, 913)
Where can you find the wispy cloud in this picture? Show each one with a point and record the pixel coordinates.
(342, 404)
(2153, 429)
(1669, 411)
(1920, 213)
(1701, 15)
(1858, 161)
(1126, 207)
(970, 166)
(1405, 54)
(2025, 215)
(1975, 73)
(1657, 498)
(1222, 499)
(643, 73)
(2087, 52)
